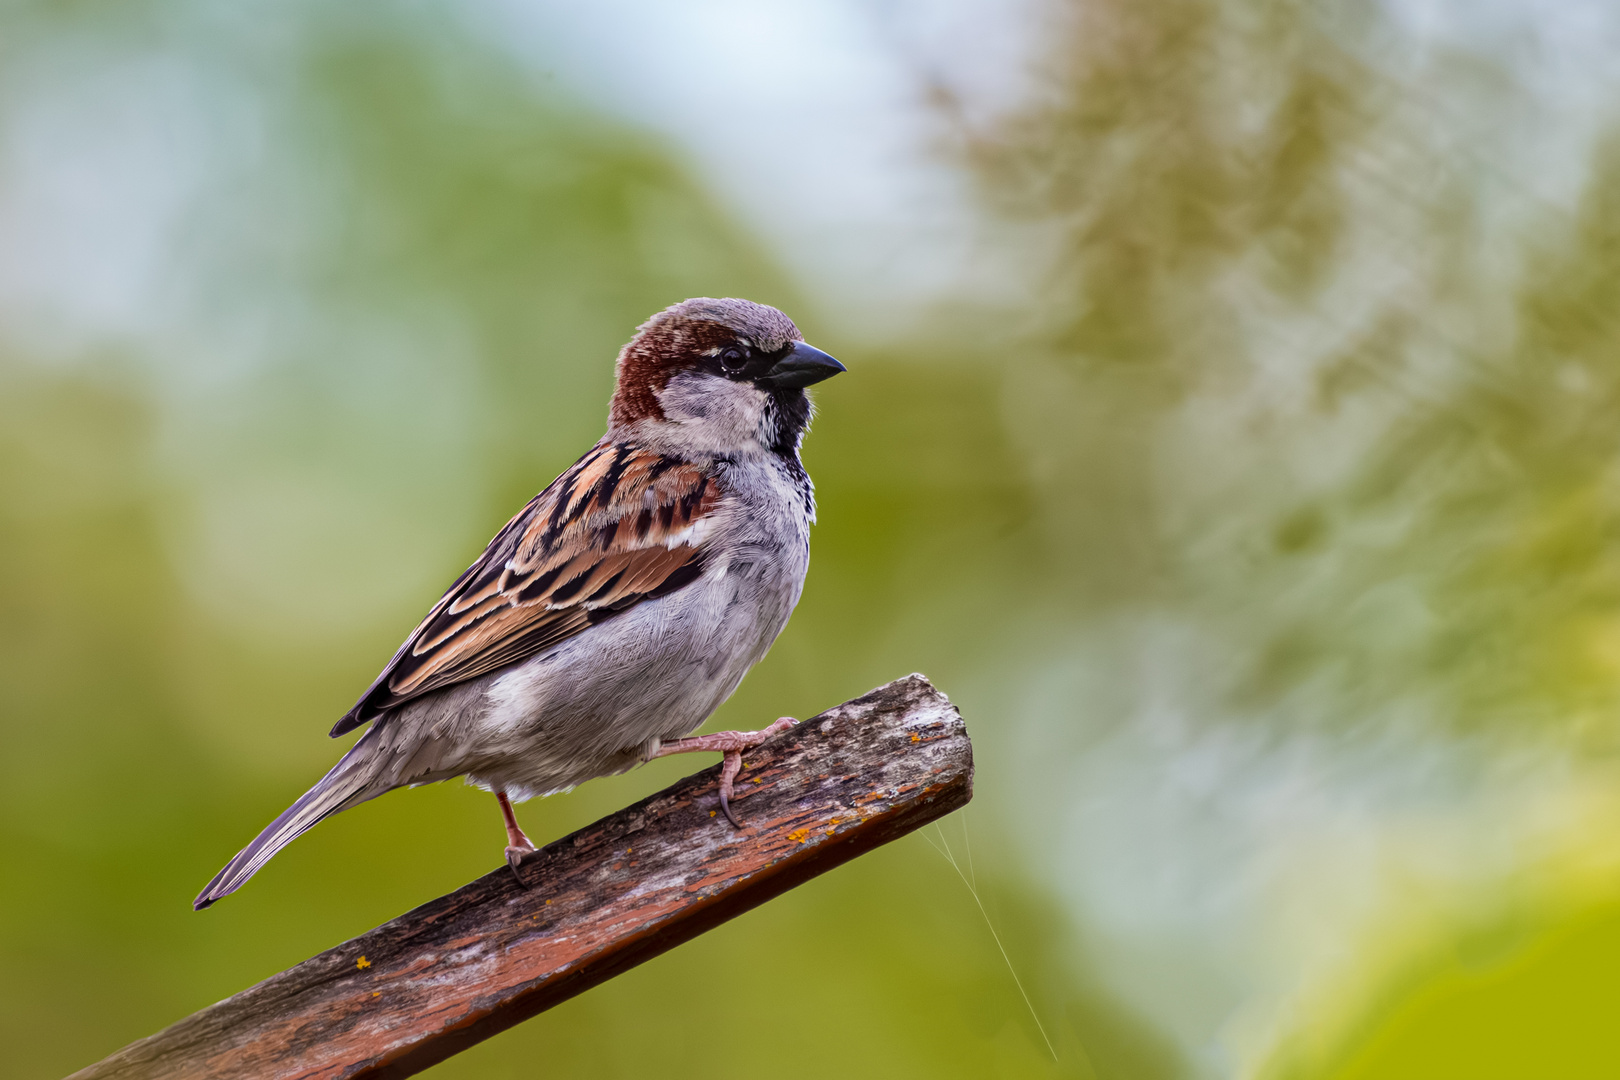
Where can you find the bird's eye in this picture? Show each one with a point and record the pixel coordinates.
(733, 358)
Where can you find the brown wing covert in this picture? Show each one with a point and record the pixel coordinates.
(621, 526)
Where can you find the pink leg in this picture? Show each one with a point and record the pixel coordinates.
(731, 744)
(517, 845)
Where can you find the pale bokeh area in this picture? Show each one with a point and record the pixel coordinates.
(1232, 429)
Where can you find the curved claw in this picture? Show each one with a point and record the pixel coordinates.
(730, 766)
(514, 859)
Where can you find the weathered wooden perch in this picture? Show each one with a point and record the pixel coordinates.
(457, 970)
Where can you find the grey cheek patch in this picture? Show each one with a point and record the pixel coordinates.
(731, 411)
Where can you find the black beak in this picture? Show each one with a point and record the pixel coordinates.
(801, 366)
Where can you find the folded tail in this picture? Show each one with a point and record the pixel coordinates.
(348, 783)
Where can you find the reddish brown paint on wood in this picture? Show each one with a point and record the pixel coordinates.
(455, 971)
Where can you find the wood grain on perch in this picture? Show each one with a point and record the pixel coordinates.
(455, 971)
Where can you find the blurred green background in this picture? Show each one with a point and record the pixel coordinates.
(1231, 429)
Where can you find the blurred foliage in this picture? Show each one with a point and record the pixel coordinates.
(1216, 184)
(1269, 550)
(1301, 436)
(1501, 1009)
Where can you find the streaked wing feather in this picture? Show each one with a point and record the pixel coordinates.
(621, 526)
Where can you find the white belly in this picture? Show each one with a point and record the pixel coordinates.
(599, 703)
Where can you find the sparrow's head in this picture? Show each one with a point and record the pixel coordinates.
(719, 376)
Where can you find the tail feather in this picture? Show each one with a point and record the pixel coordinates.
(345, 785)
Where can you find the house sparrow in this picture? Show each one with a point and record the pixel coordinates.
(619, 608)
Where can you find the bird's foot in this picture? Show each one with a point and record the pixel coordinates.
(518, 846)
(731, 744)
(516, 853)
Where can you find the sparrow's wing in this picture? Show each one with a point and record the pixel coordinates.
(621, 526)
